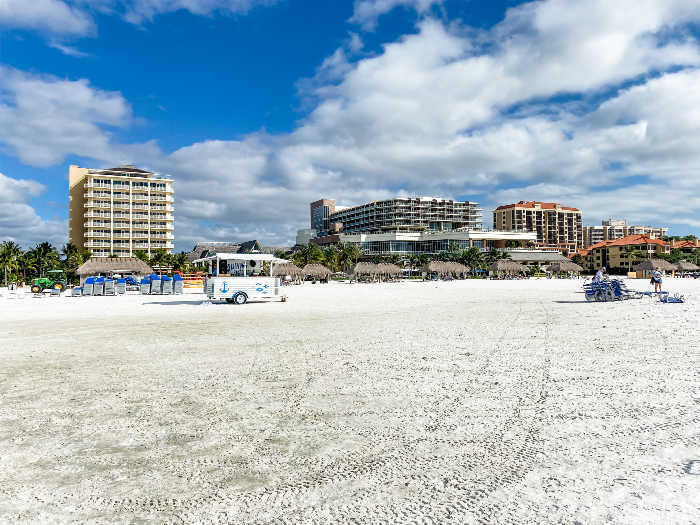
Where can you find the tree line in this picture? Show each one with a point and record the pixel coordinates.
(18, 265)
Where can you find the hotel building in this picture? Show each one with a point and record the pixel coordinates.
(408, 226)
(623, 254)
(120, 210)
(611, 230)
(556, 226)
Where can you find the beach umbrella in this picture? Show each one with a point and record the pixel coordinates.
(507, 266)
(438, 267)
(687, 266)
(388, 269)
(316, 270)
(651, 264)
(284, 269)
(564, 266)
(364, 268)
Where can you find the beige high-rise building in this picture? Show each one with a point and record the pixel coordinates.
(612, 229)
(556, 226)
(120, 210)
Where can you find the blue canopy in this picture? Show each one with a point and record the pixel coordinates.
(100, 280)
(90, 280)
(121, 281)
(145, 280)
(177, 277)
(166, 278)
(155, 277)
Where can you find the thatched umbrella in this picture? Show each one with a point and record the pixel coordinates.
(652, 264)
(506, 266)
(687, 266)
(315, 270)
(364, 268)
(109, 265)
(388, 269)
(284, 269)
(565, 266)
(438, 267)
(456, 268)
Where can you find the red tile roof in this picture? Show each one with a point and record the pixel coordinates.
(531, 204)
(627, 241)
(684, 244)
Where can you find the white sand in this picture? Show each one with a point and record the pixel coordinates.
(464, 402)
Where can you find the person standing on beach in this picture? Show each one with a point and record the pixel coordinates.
(657, 277)
(600, 275)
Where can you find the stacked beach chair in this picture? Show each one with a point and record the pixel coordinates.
(145, 286)
(110, 289)
(166, 285)
(76, 291)
(89, 286)
(99, 288)
(121, 286)
(178, 284)
(156, 284)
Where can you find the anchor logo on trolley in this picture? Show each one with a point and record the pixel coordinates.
(224, 289)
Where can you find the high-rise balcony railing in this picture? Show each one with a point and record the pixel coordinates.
(97, 195)
(93, 204)
(139, 197)
(97, 244)
(90, 233)
(97, 224)
(97, 185)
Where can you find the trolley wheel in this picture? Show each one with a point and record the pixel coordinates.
(283, 299)
(229, 300)
(36, 288)
(58, 286)
(240, 298)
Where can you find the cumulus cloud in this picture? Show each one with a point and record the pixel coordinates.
(19, 221)
(53, 16)
(367, 12)
(594, 107)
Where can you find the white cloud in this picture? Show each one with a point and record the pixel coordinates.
(367, 12)
(19, 221)
(136, 11)
(447, 111)
(52, 16)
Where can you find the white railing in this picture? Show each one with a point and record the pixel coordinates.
(97, 185)
(140, 245)
(97, 194)
(96, 234)
(121, 206)
(93, 224)
(139, 197)
(140, 236)
(97, 244)
(98, 204)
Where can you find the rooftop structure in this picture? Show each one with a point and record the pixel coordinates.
(556, 226)
(120, 210)
(203, 249)
(623, 254)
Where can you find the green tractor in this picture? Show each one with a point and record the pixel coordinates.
(55, 279)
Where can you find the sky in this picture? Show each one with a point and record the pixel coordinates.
(258, 107)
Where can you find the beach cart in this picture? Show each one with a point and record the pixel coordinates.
(76, 291)
(609, 290)
(145, 286)
(178, 284)
(156, 284)
(110, 288)
(99, 288)
(166, 285)
(121, 286)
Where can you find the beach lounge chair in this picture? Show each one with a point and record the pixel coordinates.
(178, 284)
(110, 288)
(76, 291)
(89, 286)
(156, 284)
(145, 286)
(166, 285)
(121, 286)
(99, 288)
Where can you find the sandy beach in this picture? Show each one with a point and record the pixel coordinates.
(506, 402)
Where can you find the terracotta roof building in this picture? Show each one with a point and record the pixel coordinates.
(617, 229)
(623, 254)
(556, 226)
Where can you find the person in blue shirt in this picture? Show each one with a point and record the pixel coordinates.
(657, 277)
(600, 275)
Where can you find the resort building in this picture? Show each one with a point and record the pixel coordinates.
(556, 226)
(413, 243)
(304, 236)
(616, 229)
(404, 214)
(115, 212)
(623, 254)
(321, 211)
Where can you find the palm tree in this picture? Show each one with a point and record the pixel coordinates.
(349, 253)
(45, 256)
(311, 253)
(179, 261)
(73, 258)
(331, 258)
(280, 254)
(141, 255)
(9, 257)
(160, 258)
(471, 257)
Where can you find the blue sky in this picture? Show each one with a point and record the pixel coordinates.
(257, 107)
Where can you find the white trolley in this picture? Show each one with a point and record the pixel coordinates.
(239, 279)
(239, 290)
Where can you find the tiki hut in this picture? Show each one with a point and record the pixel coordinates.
(284, 269)
(112, 265)
(316, 271)
(456, 269)
(437, 267)
(649, 265)
(564, 267)
(506, 267)
(388, 269)
(687, 266)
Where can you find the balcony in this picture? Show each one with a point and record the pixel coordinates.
(140, 236)
(97, 234)
(140, 197)
(140, 245)
(121, 206)
(141, 207)
(122, 236)
(93, 213)
(94, 224)
(97, 195)
(92, 204)
(97, 244)
(96, 185)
